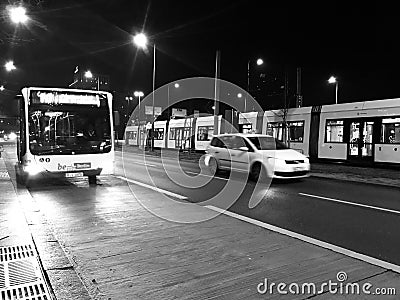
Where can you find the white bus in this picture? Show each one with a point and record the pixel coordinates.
(64, 132)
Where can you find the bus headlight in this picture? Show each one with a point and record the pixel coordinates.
(33, 169)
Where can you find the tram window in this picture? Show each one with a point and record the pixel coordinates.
(334, 131)
(246, 128)
(275, 129)
(204, 133)
(296, 131)
(172, 133)
(159, 133)
(390, 131)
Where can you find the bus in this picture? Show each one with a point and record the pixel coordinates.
(64, 132)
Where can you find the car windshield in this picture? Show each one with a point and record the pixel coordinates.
(66, 129)
(267, 143)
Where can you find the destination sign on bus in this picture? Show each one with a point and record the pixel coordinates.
(44, 97)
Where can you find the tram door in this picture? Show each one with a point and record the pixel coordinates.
(360, 145)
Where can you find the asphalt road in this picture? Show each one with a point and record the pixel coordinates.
(357, 216)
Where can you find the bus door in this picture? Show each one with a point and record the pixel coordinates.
(361, 141)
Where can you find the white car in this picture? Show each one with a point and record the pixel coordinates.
(255, 154)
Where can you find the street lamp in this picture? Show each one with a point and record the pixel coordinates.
(259, 62)
(141, 41)
(2, 88)
(17, 14)
(9, 66)
(138, 94)
(176, 85)
(334, 80)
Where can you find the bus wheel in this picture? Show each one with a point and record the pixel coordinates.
(92, 179)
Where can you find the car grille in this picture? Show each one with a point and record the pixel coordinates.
(291, 174)
(294, 162)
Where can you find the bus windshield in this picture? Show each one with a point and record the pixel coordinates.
(69, 128)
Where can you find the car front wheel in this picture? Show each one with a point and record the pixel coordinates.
(258, 172)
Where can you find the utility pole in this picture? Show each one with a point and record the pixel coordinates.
(216, 90)
(299, 97)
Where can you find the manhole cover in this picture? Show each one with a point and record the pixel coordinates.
(21, 277)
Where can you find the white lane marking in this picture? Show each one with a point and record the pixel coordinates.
(352, 203)
(194, 173)
(143, 163)
(154, 188)
(341, 250)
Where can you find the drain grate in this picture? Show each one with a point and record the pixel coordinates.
(11, 253)
(27, 292)
(20, 275)
(4, 175)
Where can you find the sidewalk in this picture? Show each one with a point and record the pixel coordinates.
(339, 171)
(30, 256)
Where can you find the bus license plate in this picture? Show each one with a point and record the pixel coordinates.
(78, 174)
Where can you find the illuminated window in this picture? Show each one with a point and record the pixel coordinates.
(390, 133)
(204, 133)
(159, 133)
(296, 131)
(275, 129)
(172, 133)
(334, 131)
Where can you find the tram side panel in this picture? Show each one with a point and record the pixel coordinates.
(361, 131)
(179, 133)
(298, 127)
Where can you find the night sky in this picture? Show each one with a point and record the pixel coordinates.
(358, 43)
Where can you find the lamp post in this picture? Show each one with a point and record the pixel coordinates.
(176, 85)
(141, 41)
(259, 63)
(334, 80)
(139, 94)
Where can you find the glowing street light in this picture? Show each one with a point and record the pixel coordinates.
(333, 80)
(17, 14)
(259, 62)
(9, 66)
(2, 88)
(140, 40)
